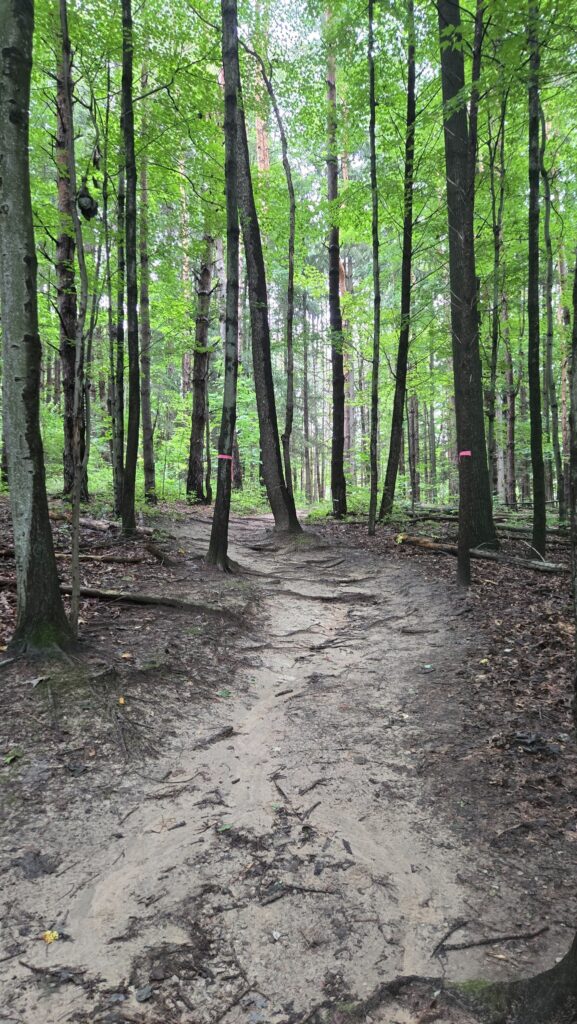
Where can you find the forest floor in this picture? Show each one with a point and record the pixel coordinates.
(269, 809)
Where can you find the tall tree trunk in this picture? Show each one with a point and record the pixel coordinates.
(533, 326)
(290, 295)
(281, 501)
(132, 432)
(218, 549)
(81, 395)
(475, 512)
(118, 437)
(511, 399)
(403, 349)
(496, 147)
(40, 619)
(65, 275)
(374, 469)
(306, 418)
(550, 385)
(338, 482)
(145, 335)
(195, 477)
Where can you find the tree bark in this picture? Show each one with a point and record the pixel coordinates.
(306, 416)
(65, 274)
(132, 432)
(218, 549)
(550, 385)
(150, 496)
(281, 501)
(496, 148)
(476, 517)
(406, 268)
(118, 436)
(376, 277)
(40, 619)
(338, 482)
(195, 478)
(533, 325)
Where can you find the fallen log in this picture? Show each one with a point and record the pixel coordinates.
(135, 597)
(437, 547)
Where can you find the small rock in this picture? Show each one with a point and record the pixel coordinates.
(143, 994)
(157, 973)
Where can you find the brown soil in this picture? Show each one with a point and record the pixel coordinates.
(272, 817)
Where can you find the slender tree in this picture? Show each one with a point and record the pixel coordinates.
(200, 365)
(281, 501)
(65, 269)
(40, 617)
(132, 432)
(145, 332)
(533, 325)
(376, 274)
(218, 549)
(338, 482)
(406, 286)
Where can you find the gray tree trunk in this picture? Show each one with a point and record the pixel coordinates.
(40, 621)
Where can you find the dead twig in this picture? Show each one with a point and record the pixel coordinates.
(496, 939)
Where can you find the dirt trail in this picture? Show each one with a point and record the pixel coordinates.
(289, 863)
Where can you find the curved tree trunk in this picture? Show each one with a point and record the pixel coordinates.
(40, 618)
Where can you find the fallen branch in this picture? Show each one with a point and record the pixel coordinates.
(136, 598)
(437, 547)
(496, 939)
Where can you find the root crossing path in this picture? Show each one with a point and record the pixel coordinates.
(283, 855)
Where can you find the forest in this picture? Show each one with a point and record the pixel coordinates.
(288, 511)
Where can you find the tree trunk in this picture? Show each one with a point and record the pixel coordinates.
(65, 278)
(496, 148)
(40, 619)
(406, 267)
(145, 335)
(549, 372)
(132, 433)
(195, 478)
(306, 423)
(281, 501)
(290, 295)
(118, 437)
(218, 549)
(338, 482)
(376, 278)
(533, 326)
(476, 518)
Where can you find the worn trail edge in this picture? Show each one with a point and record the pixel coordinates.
(291, 860)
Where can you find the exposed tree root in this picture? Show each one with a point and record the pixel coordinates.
(137, 598)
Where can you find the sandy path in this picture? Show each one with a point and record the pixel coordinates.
(288, 863)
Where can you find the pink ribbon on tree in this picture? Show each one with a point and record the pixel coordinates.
(463, 455)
